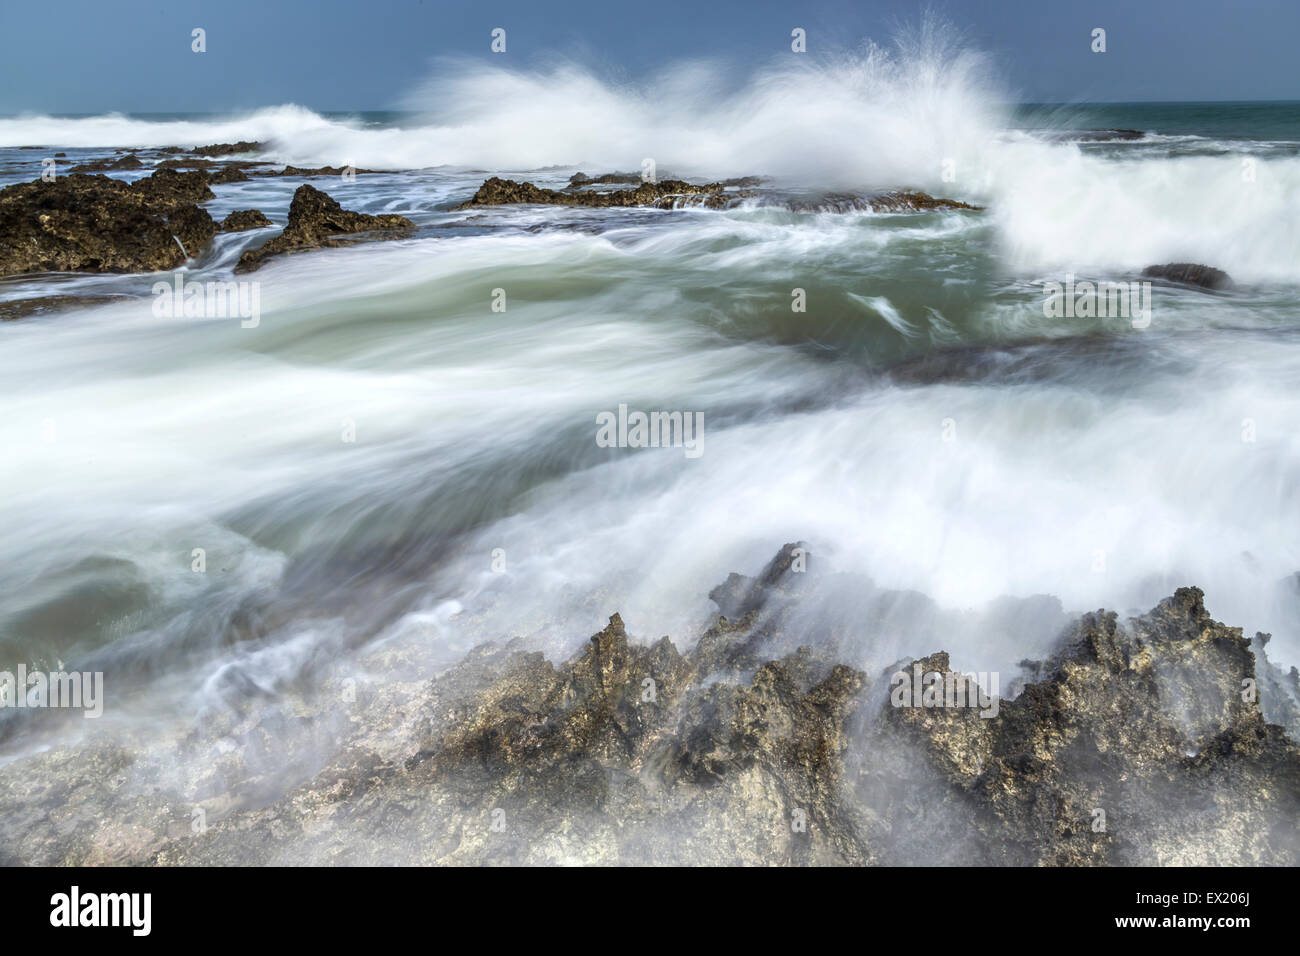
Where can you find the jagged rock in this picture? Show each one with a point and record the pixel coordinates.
(82, 223)
(1149, 725)
(315, 221)
(244, 219)
(633, 752)
(1189, 273)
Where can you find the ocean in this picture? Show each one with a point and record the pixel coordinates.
(403, 450)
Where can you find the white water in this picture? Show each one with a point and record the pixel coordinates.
(475, 429)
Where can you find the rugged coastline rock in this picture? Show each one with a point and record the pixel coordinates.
(227, 149)
(665, 194)
(82, 223)
(1190, 273)
(899, 200)
(674, 193)
(1140, 743)
(242, 220)
(129, 161)
(315, 221)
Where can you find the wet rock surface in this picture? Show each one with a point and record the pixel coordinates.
(82, 223)
(1137, 743)
(244, 219)
(228, 149)
(899, 201)
(1190, 273)
(46, 304)
(128, 161)
(317, 221)
(665, 194)
(675, 193)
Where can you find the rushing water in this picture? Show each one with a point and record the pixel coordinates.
(923, 422)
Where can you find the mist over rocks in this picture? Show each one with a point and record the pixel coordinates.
(316, 221)
(1133, 744)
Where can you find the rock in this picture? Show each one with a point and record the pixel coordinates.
(1189, 273)
(666, 194)
(40, 305)
(81, 223)
(1147, 724)
(169, 187)
(1133, 745)
(624, 179)
(315, 221)
(101, 165)
(226, 149)
(902, 200)
(227, 174)
(313, 171)
(242, 220)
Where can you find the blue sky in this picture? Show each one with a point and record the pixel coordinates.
(133, 55)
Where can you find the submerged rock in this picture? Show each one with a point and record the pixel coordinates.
(244, 219)
(316, 221)
(901, 200)
(1190, 273)
(81, 223)
(40, 305)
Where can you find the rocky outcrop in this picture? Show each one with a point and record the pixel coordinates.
(1190, 273)
(317, 221)
(895, 201)
(227, 149)
(674, 193)
(242, 220)
(1139, 743)
(82, 223)
(227, 174)
(666, 194)
(129, 161)
(1143, 745)
(170, 187)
